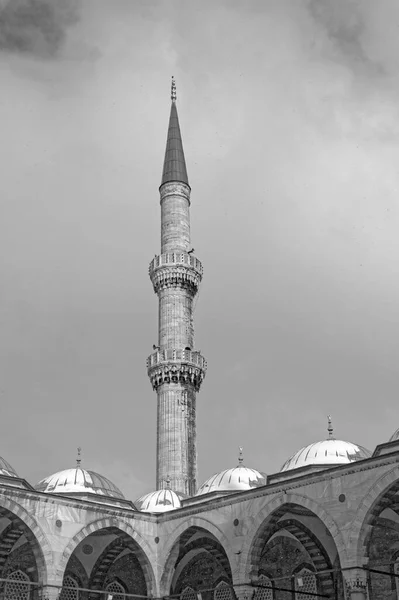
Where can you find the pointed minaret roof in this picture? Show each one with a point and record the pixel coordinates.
(174, 166)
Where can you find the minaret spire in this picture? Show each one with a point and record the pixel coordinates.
(175, 369)
(174, 166)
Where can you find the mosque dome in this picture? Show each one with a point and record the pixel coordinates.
(233, 480)
(329, 452)
(6, 469)
(79, 481)
(159, 501)
(394, 436)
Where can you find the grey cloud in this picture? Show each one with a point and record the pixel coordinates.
(36, 27)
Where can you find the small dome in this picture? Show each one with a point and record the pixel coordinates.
(6, 469)
(78, 481)
(394, 436)
(233, 480)
(328, 452)
(159, 501)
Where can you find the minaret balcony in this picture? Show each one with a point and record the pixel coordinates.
(176, 366)
(176, 269)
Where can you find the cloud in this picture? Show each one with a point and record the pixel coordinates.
(36, 27)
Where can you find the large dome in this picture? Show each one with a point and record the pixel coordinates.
(6, 469)
(159, 501)
(233, 480)
(328, 452)
(78, 481)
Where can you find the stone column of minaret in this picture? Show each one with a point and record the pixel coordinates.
(175, 369)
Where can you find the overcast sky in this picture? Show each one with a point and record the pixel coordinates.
(290, 123)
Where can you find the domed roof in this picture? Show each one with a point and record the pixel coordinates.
(159, 501)
(78, 481)
(233, 480)
(328, 452)
(6, 469)
(394, 436)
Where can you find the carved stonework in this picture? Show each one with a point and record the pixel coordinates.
(177, 371)
(356, 584)
(175, 188)
(176, 269)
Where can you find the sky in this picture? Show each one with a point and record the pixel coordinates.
(289, 113)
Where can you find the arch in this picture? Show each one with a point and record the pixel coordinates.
(273, 510)
(34, 533)
(145, 555)
(362, 524)
(171, 549)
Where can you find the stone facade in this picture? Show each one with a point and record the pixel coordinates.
(330, 530)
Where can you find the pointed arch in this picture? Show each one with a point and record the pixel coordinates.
(369, 506)
(253, 544)
(171, 549)
(144, 555)
(34, 534)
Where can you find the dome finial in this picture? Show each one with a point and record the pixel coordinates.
(78, 459)
(173, 90)
(168, 482)
(240, 457)
(330, 428)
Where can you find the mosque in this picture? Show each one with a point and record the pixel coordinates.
(325, 525)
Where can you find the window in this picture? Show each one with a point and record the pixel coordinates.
(305, 581)
(265, 593)
(188, 594)
(222, 592)
(116, 590)
(17, 586)
(69, 589)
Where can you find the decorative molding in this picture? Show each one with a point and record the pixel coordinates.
(176, 270)
(176, 366)
(175, 188)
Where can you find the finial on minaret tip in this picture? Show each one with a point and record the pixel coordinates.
(173, 90)
(330, 428)
(78, 459)
(240, 457)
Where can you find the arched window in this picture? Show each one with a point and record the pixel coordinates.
(264, 593)
(17, 586)
(222, 592)
(69, 589)
(305, 581)
(116, 590)
(188, 594)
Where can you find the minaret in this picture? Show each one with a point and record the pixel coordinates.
(175, 369)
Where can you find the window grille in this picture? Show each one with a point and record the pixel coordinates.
(17, 586)
(265, 593)
(188, 594)
(305, 581)
(222, 592)
(69, 589)
(116, 590)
